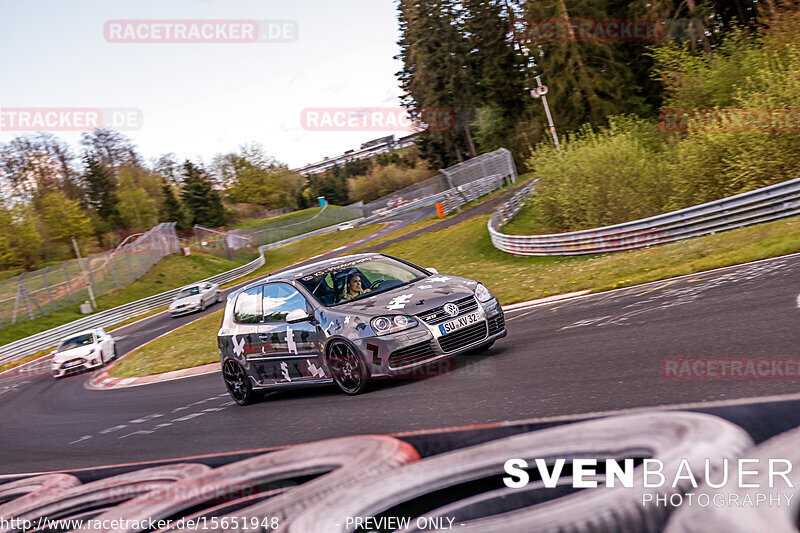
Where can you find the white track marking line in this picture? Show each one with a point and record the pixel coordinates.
(521, 306)
(147, 418)
(188, 417)
(113, 429)
(85, 437)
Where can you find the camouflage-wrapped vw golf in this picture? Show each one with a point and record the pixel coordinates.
(348, 321)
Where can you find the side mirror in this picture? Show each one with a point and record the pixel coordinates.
(431, 269)
(298, 315)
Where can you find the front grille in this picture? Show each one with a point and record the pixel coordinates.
(411, 355)
(463, 337)
(497, 323)
(437, 314)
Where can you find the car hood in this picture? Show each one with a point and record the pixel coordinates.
(186, 300)
(80, 351)
(414, 298)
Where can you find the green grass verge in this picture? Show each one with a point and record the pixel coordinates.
(251, 223)
(196, 344)
(529, 221)
(191, 345)
(434, 219)
(171, 272)
(466, 250)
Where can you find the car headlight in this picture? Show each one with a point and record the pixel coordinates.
(383, 325)
(482, 293)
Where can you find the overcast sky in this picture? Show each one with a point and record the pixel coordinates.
(200, 99)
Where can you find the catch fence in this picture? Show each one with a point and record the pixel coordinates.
(35, 294)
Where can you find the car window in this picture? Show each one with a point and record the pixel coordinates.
(279, 300)
(247, 309)
(377, 273)
(76, 342)
(189, 291)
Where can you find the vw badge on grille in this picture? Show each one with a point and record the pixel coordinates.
(451, 309)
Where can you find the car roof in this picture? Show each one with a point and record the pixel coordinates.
(306, 270)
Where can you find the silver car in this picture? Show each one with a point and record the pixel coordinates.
(83, 351)
(195, 298)
(349, 321)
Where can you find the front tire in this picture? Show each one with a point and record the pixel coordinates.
(349, 370)
(237, 382)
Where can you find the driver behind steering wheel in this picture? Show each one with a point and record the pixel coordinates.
(352, 287)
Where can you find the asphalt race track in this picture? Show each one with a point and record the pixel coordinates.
(600, 352)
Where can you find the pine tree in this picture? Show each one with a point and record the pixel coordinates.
(171, 208)
(497, 69)
(587, 78)
(201, 200)
(100, 190)
(438, 85)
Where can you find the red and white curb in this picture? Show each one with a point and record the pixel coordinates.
(103, 381)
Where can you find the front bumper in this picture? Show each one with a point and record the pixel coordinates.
(397, 355)
(75, 366)
(184, 310)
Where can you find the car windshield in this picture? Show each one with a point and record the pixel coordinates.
(75, 342)
(359, 278)
(189, 291)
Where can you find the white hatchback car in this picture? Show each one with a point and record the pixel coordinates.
(85, 350)
(195, 298)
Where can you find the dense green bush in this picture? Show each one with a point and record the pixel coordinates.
(633, 168)
(602, 177)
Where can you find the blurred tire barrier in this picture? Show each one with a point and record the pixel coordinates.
(316, 487)
(72, 500)
(762, 205)
(312, 471)
(418, 489)
(749, 519)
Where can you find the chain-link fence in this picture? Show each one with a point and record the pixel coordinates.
(278, 231)
(38, 293)
(498, 163)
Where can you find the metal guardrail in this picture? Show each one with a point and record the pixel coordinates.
(44, 291)
(47, 339)
(761, 205)
(452, 199)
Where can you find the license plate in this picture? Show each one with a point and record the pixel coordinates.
(73, 363)
(460, 322)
